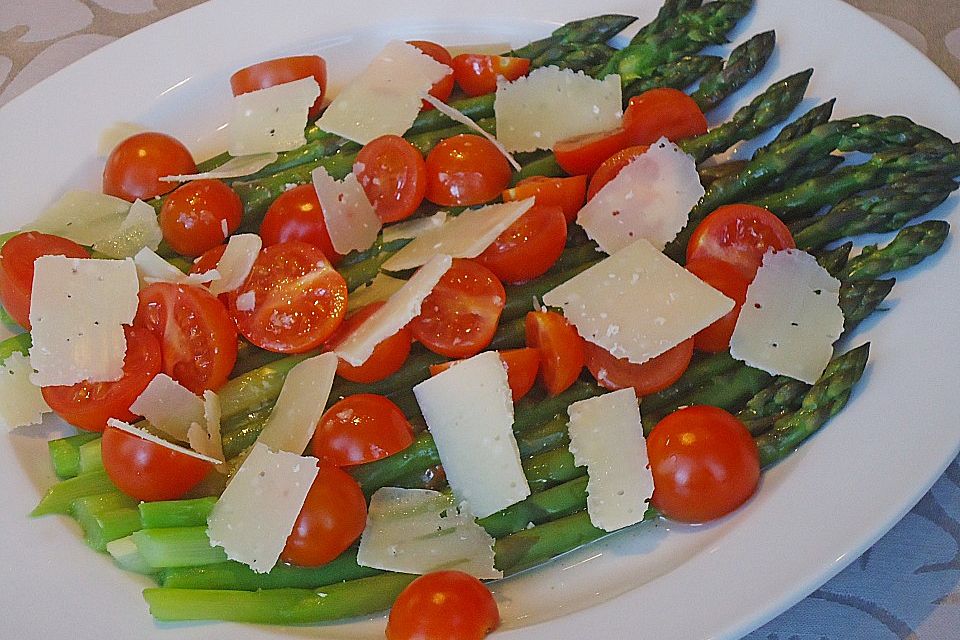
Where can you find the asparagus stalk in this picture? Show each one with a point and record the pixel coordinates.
(61, 495)
(666, 18)
(745, 62)
(595, 30)
(679, 74)
(176, 513)
(908, 248)
(800, 127)
(65, 453)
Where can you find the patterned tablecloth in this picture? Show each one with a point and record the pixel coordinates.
(907, 586)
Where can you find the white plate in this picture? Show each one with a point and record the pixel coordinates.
(814, 514)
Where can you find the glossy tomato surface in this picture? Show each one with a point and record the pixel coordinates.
(296, 216)
(444, 605)
(135, 166)
(199, 216)
(361, 428)
(270, 73)
(387, 357)
(393, 174)
(739, 234)
(647, 377)
(529, 247)
(464, 170)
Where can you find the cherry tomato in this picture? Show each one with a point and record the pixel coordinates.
(16, 268)
(704, 464)
(529, 247)
(443, 87)
(135, 166)
(460, 316)
(522, 367)
(296, 215)
(567, 193)
(387, 357)
(739, 234)
(197, 337)
(299, 299)
(464, 170)
(649, 377)
(280, 71)
(199, 216)
(147, 471)
(610, 167)
(333, 516)
(729, 281)
(477, 73)
(562, 354)
(361, 428)
(88, 405)
(583, 154)
(393, 174)
(663, 113)
(444, 605)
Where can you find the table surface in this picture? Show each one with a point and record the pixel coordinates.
(906, 587)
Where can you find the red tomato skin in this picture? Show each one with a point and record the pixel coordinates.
(465, 170)
(393, 175)
(270, 73)
(477, 73)
(704, 464)
(562, 350)
(522, 367)
(333, 516)
(361, 428)
(443, 87)
(648, 377)
(387, 357)
(584, 154)
(612, 166)
(567, 193)
(444, 605)
(135, 166)
(148, 471)
(199, 216)
(729, 281)
(88, 405)
(16, 268)
(296, 216)
(739, 234)
(529, 247)
(663, 112)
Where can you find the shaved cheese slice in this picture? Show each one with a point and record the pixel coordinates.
(82, 216)
(247, 301)
(402, 307)
(21, 402)
(477, 447)
(169, 406)
(379, 290)
(650, 198)
(385, 98)
(205, 438)
(115, 134)
(418, 531)
(257, 511)
(233, 168)
(638, 303)
(351, 220)
(271, 119)
(463, 236)
(235, 263)
(791, 317)
(155, 439)
(607, 438)
(139, 229)
(300, 404)
(551, 104)
(456, 116)
(413, 228)
(77, 312)
(152, 268)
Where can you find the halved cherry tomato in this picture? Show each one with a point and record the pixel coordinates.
(460, 316)
(135, 166)
(649, 377)
(88, 405)
(393, 174)
(562, 354)
(477, 73)
(361, 428)
(299, 299)
(387, 357)
(443, 87)
(296, 215)
(445, 604)
(739, 234)
(529, 247)
(464, 170)
(197, 338)
(208, 259)
(610, 167)
(280, 71)
(332, 517)
(16, 268)
(582, 155)
(704, 464)
(147, 471)
(522, 367)
(729, 281)
(200, 215)
(663, 113)
(567, 193)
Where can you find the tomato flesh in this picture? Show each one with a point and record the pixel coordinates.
(648, 377)
(522, 367)
(280, 71)
(567, 193)
(561, 348)
(529, 247)
(443, 87)
(477, 73)
(739, 234)
(361, 428)
(465, 170)
(296, 216)
(663, 113)
(135, 166)
(393, 174)
(387, 357)
(729, 281)
(443, 605)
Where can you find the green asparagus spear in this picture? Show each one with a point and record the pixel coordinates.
(666, 18)
(911, 245)
(595, 30)
(799, 127)
(744, 63)
(679, 74)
